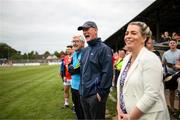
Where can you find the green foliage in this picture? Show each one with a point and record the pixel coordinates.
(9, 53)
(16, 56)
(6, 51)
(25, 56)
(111, 105)
(56, 53)
(31, 55)
(46, 54)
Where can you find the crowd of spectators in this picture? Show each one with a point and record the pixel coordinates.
(169, 58)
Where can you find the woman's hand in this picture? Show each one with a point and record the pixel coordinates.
(125, 117)
(119, 111)
(98, 97)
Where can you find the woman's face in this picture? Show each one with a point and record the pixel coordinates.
(149, 44)
(133, 38)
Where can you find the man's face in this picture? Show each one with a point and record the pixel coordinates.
(69, 50)
(172, 44)
(122, 53)
(90, 33)
(77, 43)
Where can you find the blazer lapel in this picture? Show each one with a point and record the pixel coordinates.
(133, 67)
(125, 61)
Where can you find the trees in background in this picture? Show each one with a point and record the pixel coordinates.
(57, 54)
(7, 52)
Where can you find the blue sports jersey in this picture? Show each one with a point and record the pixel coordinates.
(76, 77)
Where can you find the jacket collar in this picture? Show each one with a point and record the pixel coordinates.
(94, 41)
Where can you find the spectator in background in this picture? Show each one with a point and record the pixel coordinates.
(162, 38)
(174, 35)
(177, 37)
(165, 36)
(74, 69)
(96, 73)
(67, 77)
(140, 89)
(62, 68)
(118, 64)
(150, 46)
(115, 56)
(169, 60)
(114, 60)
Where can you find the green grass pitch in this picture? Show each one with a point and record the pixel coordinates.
(36, 92)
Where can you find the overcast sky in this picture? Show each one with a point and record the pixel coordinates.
(49, 25)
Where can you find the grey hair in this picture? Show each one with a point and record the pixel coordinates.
(80, 37)
(144, 29)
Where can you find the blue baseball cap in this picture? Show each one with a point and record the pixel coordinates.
(88, 24)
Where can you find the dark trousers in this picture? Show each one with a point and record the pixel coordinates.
(77, 104)
(173, 83)
(93, 109)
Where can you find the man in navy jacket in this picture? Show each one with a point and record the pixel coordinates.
(96, 73)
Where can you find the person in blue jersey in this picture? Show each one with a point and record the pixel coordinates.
(74, 69)
(96, 73)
